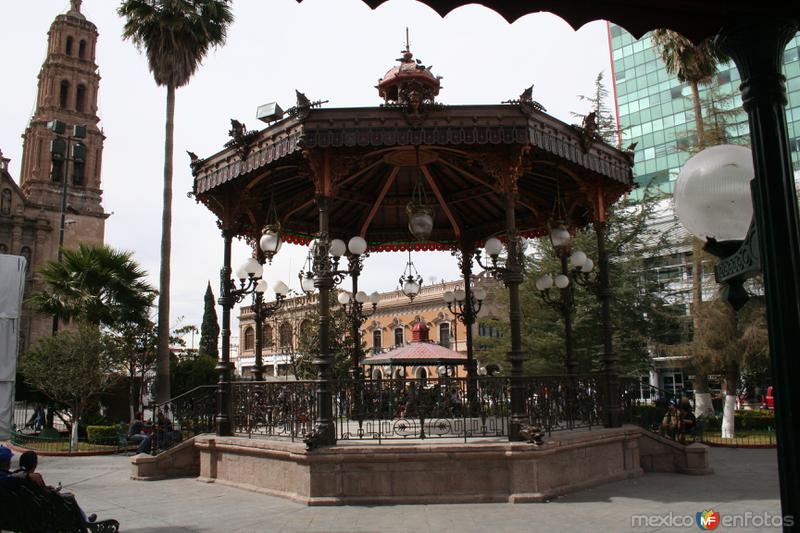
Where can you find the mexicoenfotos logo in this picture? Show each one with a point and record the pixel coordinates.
(707, 520)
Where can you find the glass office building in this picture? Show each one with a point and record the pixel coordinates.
(656, 111)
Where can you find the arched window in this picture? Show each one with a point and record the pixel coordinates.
(5, 202)
(444, 334)
(68, 48)
(26, 253)
(421, 374)
(63, 95)
(306, 329)
(249, 339)
(267, 336)
(82, 49)
(80, 98)
(377, 374)
(286, 335)
(377, 341)
(398, 337)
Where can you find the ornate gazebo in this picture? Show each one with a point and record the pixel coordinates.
(476, 171)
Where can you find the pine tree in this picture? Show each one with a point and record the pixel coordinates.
(209, 330)
(598, 102)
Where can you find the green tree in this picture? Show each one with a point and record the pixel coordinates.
(598, 102)
(341, 345)
(97, 284)
(642, 315)
(695, 64)
(72, 368)
(175, 35)
(137, 344)
(209, 329)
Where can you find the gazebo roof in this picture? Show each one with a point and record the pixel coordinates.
(417, 353)
(369, 158)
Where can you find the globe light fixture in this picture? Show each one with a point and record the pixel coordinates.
(562, 281)
(251, 268)
(448, 297)
(344, 297)
(493, 247)
(480, 293)
(357, 245)
(337, 248)
(270, 241)
(587, 266)
(545, 282)
(559, 236)
(712, 193)
(410, 281)
(261, 286)
(577, 259)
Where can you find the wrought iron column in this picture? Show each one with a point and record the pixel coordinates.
(468, 318)
(512, 277)
(258, 368)
(223, 418)
(757, 48)
(323, 281)
(567, 295)
(355, 319)
(610, 376)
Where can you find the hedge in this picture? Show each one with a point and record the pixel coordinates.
(101, 434)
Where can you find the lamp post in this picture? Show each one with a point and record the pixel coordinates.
(322, 272)
(262, 311)
(465, 304)
(353, 305)
(511, 275)
(248, 274)
(63, 149)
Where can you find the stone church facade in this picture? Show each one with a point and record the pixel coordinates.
(31, 210)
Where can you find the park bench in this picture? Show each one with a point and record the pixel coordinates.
(28, 508)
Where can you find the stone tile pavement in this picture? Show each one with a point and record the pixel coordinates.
(746, 480)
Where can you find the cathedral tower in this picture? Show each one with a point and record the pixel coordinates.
(68, 89)
(31, 212)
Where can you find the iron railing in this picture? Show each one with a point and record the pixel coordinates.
(183, 416)
(444, 407)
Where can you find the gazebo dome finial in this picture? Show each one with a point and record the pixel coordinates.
(410, 82)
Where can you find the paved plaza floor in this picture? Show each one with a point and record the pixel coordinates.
(745, 480)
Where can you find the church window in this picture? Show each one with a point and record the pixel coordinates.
(398, 337)
(26, 253)
(266, 335)
(80, 98)
(5, 202)
(444, 334)
(58, 170)
(63, 97)
(286, 335)
(69, 46)
(82, 49)
(249, 339)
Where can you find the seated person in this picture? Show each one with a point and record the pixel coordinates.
(28, 462)
(5, 461)
(136, 433)
(686, 417)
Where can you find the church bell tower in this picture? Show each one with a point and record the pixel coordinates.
(68, 88)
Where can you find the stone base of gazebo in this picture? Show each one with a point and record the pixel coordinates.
(430, 471)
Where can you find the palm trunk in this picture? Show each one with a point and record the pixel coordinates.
(703, 405)
(162, 364)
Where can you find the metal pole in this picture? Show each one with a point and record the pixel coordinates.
(757, 48)
(567, 307)
(512, 277)
(224, 410)
(468, 318)
(610, 376)
(258, 368)
(355, 319)
(64, 176)
(326, 431)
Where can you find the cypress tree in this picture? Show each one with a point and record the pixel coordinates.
(209, 330)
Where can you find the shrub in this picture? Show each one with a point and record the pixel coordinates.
(101, 434)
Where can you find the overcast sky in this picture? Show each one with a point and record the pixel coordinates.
(332, 50)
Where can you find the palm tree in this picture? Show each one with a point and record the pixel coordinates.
(696, 65)
(97, 284)
(175, 35)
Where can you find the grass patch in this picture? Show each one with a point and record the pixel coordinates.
(741, 438)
